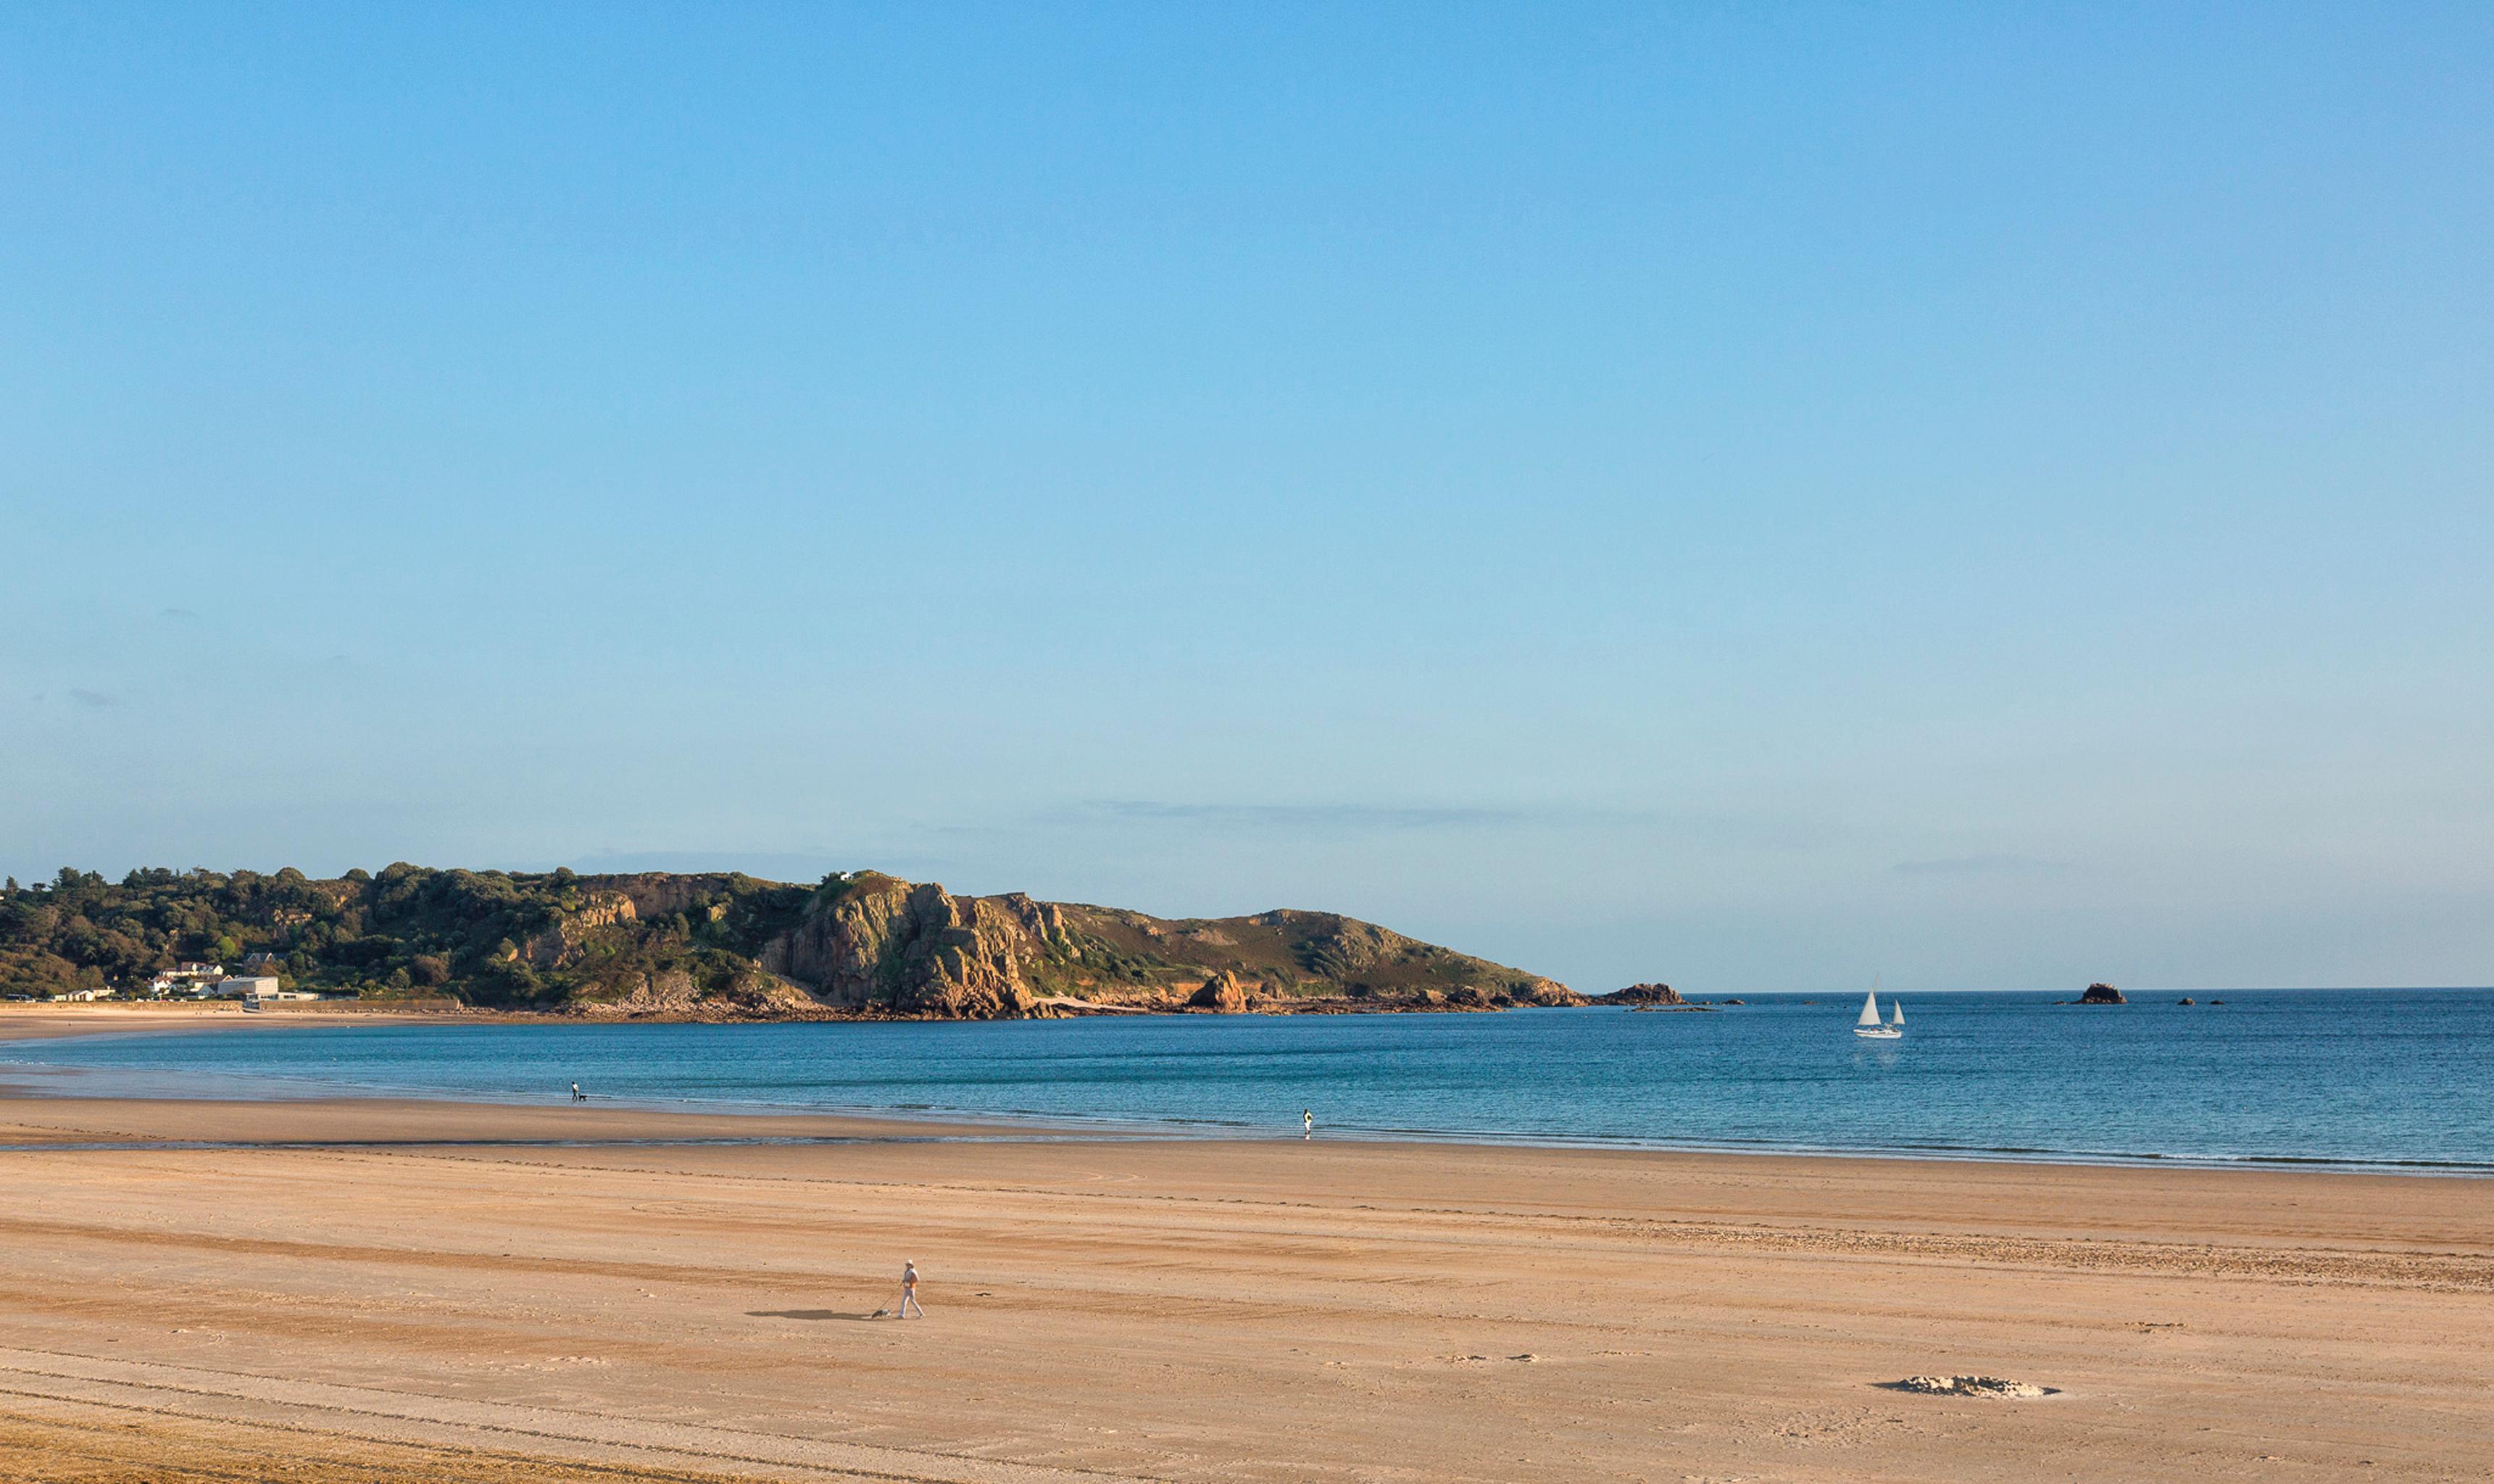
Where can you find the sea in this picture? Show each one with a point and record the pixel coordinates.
(2395, 1079)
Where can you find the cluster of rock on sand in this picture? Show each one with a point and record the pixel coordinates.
(1970, 1386)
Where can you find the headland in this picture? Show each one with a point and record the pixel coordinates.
(712, 947)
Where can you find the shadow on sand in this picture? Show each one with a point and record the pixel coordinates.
(804, 1314)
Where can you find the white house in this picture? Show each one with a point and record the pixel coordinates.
(253, 986)
(197, 978)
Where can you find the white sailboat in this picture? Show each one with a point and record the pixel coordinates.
(1867, 1025)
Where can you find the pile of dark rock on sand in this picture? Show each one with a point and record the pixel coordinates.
(1970, 1386)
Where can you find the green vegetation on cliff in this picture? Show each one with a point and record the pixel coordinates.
(723, 945)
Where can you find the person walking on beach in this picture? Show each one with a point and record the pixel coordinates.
(577, 1096)
(909, 1291)
(1307, 1123)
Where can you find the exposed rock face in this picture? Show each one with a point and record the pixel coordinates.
(762, 993)
(2102, 995)
(658, 894)
(559, 946)
(668, 993)
(1547, 991)
(1222, 992)
(878, 944)
(671, 994)
(1645, 994)
(882, 943)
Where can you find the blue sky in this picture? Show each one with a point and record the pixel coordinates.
(1744, 495)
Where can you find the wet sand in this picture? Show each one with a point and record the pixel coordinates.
(370, 1289)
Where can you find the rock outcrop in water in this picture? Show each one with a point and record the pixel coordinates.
(1644, 994)
(1222, 992)
(2102, 995)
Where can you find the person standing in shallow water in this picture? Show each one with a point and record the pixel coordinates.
(1307, 1123)
(909, 1290)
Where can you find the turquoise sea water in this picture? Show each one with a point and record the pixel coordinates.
(2401, 1078)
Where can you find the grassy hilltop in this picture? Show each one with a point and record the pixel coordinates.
(720, 946)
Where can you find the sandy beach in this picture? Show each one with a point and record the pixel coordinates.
(369, 1290)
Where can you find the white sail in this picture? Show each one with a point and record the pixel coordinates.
(1869, 1009)
(1897, 1012)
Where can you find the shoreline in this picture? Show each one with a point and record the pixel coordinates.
(27, 1082)
(724, 1122)
(313, 1124)
(22, 1026)
(961, 1124)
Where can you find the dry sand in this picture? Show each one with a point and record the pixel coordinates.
(47, 1021)
(441, 1291)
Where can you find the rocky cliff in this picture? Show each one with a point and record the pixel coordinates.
(730, 947)
(873, 941)
(874, 944)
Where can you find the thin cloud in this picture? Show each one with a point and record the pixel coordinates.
(1308, 816)
(94, 700)
(1980, 866)
(1715, 832)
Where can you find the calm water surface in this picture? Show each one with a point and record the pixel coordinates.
(2384, 1077)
